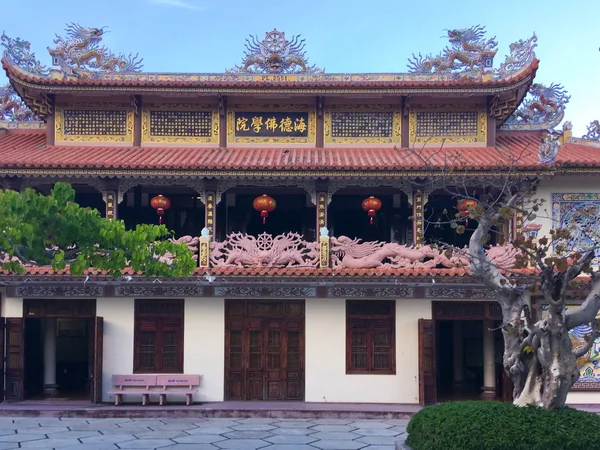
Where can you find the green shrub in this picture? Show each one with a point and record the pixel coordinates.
(501, 426)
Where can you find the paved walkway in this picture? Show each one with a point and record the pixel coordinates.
(200, 434)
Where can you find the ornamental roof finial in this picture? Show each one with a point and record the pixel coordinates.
(275, 55)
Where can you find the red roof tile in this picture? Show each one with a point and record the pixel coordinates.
(224, 81)
(26, 149)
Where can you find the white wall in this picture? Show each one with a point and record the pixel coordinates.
(117, 355)
(11, 307)
(204, 346)
(325, 356)
(580, 397)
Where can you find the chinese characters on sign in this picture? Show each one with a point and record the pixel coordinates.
(267, 124)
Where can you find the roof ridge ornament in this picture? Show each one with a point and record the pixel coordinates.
(469, 50)
(13, 109)
(18, 52)
(275, 55)
(548, 149)
(542, 109)
(80, 54)
(593, 131)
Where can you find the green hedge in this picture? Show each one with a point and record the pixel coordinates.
(501, 426)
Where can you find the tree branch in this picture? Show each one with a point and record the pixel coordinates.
(586, 348)
(587, 312)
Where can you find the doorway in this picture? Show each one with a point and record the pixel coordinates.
(264, 350)
(460, 360)
(55, 351)
(57, 358)
(460, 353)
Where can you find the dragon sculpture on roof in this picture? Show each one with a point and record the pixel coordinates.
(521, 54)
(543, 108)
(12, 108)
(18, 52)
(275, 55)
(469, 50)
(80, 54)
(593, 131)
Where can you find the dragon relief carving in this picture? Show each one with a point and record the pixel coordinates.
(469, 50)
(355, 254)
(18, 52)
(13, 108)
(543, 108)
(275, 55)
(192, 244)
(266, 250)
(521, 54)
(593, 131)
(80, 54)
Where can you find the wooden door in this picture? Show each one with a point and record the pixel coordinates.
(427, 372)
(264, 351)
(2, 354)
(96, 384)
(14, 359)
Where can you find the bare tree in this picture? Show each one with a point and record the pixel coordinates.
(538, 356)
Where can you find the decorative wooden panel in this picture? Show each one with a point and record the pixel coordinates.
(180, 123)
(452, 126)
(466, 311)
(427, 369)
(15, 359)
(66, 308)
(94, 123)
(362, 124)
(264, 350)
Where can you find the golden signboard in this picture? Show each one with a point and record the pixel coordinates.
(266, 124)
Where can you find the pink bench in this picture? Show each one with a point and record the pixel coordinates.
(135, 384)
(185, 383)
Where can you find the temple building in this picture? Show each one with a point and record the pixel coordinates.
(307, 198)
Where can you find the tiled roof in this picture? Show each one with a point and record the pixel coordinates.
(285, 272)
(26, 149)
(224, 81)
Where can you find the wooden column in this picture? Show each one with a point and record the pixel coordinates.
(404, 136)
(111, 204)
(222, 121)
(491, 126)
(210, 211)
(137, 120)
(418, 218)
(322, 203)
(50, 130)
(320, 140)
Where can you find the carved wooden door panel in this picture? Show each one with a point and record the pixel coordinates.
(264, 355)
(427, 372)
(2, 354)
(96, 384)
(15, 358)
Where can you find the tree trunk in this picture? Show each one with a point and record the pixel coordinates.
(543, 368)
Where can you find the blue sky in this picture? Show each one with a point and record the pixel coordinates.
(341, 35)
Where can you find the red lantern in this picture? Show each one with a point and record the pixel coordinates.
(160, 203)
(371, 205)
(463, 208)
(265, 205)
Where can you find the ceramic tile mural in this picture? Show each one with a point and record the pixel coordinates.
(582, 209)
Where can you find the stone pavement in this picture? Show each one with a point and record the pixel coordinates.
(200, 434)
